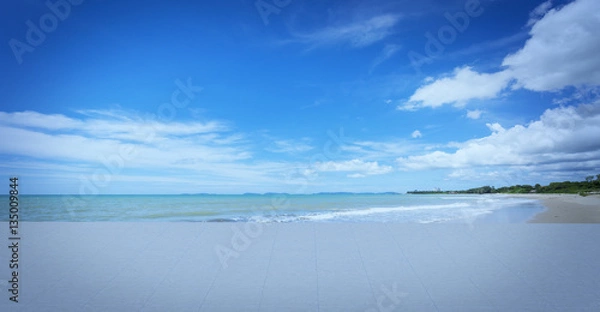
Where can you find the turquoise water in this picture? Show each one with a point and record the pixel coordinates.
(279, 208)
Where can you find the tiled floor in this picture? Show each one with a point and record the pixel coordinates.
(306, 267)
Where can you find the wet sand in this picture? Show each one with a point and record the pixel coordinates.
(566, 208)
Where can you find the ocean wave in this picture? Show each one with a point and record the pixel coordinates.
(408, 213)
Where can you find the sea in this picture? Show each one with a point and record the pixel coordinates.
(325, 207)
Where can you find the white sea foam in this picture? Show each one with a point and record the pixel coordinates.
(378, 210)
(466, 209)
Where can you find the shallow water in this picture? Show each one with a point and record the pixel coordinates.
(281, 208)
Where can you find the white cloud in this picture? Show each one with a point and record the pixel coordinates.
(408, 106)
(562, 139)
(37, 120)
(202, 147)
(500, 177)
(416, 134)
(189, 156)
(356, 175)
(582, 94)
(490, 45)
(474, 114)
(539, 12)
(109, 125)
(357, 34)
(495, 127)
(471, 174)
(388, 51)
(354, 165)
(464, 85)
(380, 150)
(562, 51)
(290, 146)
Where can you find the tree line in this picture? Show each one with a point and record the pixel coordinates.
(581, 187)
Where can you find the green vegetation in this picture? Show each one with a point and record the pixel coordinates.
(582, 188)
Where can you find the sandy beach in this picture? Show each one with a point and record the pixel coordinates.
(566, 208)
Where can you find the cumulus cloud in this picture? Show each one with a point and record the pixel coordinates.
(495, 127)
(462, 86)
(357, 34)
(416, 134)
(474, 114)
(562, 139)
(562, 52)
(358, 166)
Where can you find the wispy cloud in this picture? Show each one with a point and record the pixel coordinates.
(491, 45)
(357, 166)
(108, 124)
(539, 12)
(381, 150)
(388, 51)
(290, 146)
(356, 34)
(127, 141)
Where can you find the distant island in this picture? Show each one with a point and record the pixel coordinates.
(589, 186)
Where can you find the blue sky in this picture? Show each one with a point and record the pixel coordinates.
(119, 97)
